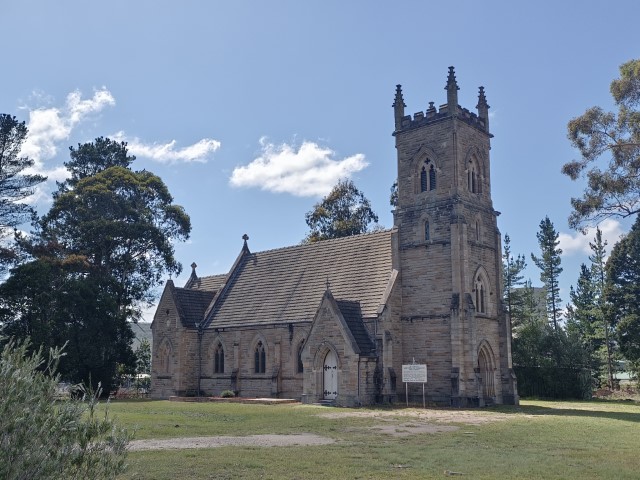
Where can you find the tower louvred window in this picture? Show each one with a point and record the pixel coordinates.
(432, 178)
(423, 179)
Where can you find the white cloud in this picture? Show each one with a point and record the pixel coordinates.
(579, 243)
(167, 153)
(48, 127)
(311, 170)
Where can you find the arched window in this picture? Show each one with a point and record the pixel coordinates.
(427, 176)
(427, 231)
(300, 366)
(432, 177)
(481, 296)
(218, 359)
(164, 358)
(260, 358)
(477, 231)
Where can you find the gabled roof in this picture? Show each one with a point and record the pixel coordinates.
(210, 283)
(352, 315)
(191, 305)
(284, 285)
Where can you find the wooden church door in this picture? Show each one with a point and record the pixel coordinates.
(330, 383)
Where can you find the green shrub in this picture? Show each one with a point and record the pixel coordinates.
(44, 438)
(227, 394)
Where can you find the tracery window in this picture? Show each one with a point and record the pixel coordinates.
(218, 359)
(481, 296)
(300, 366)
(260, 358)
(427, 176)
(432, 177)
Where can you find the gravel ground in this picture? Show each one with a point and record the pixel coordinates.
(223, 441)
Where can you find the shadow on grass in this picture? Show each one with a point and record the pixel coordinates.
(574, 412)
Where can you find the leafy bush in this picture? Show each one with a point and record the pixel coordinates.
(227, 394)
(44, 438)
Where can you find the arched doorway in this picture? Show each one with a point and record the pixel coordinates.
(330, 376)
(485, 366)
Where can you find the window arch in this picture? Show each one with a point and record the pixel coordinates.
(474, 175)
(427, 231)
(218, 359)
(428, 174)
(481, 291)
(260, 358)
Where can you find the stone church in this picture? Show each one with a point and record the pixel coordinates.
(335, 321)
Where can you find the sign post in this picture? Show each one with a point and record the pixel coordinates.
(414, 373)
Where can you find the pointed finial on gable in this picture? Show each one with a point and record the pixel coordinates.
(245, 237)
(398, 107)
(328, 284)
(452, 91)
(193, 268)
(483, 108)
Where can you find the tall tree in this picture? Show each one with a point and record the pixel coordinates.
(612, 190)
(549, 265)
(15, 184)
(124, 223)
(582, 317)
(344, 211)
(91, 158)
(513, 280)
(98, 254)
(623, 293)
(57, 302)
(598, 260)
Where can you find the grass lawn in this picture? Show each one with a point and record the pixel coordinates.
(538, 439)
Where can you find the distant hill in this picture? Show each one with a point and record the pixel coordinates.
(141, 330)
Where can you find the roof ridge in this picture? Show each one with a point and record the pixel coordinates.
(326, 242)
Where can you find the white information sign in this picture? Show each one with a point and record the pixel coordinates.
(414, 373)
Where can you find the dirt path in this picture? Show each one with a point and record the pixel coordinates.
(224, 441)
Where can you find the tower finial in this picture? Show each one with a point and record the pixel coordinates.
(452, 91)
(398, 106)
(483, 108)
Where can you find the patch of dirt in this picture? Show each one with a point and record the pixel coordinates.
(406, 429)
(224, 441)
(465, 417)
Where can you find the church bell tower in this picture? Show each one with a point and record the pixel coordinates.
(450, 253)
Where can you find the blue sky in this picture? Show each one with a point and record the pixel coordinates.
(251, 111)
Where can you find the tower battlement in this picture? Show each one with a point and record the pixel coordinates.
(447, 110)
(430, 116)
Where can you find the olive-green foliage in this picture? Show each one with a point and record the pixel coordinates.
(344, 211)
(549, 264)
(54, 302)
(45, 438)
(622, 292)
(15, 185)
(613, 190)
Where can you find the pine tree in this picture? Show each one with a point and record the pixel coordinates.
(598, 263)
(512, 279)
(549, 265)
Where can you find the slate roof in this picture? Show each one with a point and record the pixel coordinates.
(210, 283)
(353, 316)
(192, 304)
(287, 284)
